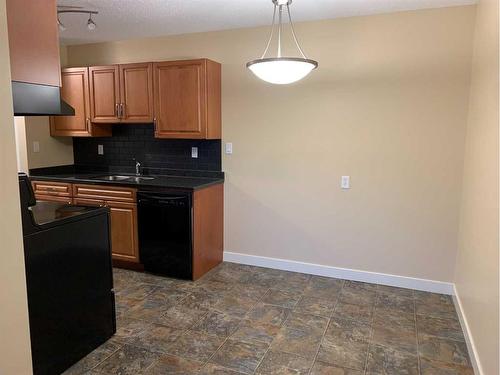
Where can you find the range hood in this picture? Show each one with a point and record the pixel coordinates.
(32, 99)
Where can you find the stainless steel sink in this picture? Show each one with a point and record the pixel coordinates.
(139, 178)
(111, 178)
(123, 178)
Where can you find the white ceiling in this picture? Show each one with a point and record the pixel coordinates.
(126, 19)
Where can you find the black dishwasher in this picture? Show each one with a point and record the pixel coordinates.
(165, 240)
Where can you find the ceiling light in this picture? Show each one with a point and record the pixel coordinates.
(282, 70)
(91, 24)
(60, 25)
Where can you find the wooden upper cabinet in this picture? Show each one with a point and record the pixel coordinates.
(75, 91)
(34, 41)
(187, 98)
(104, 94)
(136, 93)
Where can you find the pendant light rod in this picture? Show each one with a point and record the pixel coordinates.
(280, 27)
(293, 32)
(271, 34)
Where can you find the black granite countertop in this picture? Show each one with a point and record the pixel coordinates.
(183, 182)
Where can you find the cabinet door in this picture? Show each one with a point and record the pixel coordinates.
(75, 91)
(180, 99)
(104, 94)
(124, 236)
(136, 92)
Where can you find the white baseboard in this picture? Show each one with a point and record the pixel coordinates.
(342, 273)
(471, 347)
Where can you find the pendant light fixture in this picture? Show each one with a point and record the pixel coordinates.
(282, 70)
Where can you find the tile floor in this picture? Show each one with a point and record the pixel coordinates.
(248, 320)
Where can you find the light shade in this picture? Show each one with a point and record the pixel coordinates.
(282, 70)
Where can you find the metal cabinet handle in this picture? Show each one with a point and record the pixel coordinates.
(154, 123)
(88, 123)
(122, 110)
(117, 110)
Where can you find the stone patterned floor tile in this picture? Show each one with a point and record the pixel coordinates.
(216, 323)
(307, 323)
(394, 337)
(292, 282)
(240, 356)
(136, 291)
(93, 359)
(172, 365)
(395, 302)
(356, 294)
(341, 328)
(183, 315)
(395, 318)
(234, 315)
(315, 306)
(268, 314)
(436, 305)
(324, 287)
(347, 351)
(320, 368)
(346, 310)
(256, 331)
(382, 360)
(445, 328)
(234, 305)
(361, 285)
(283, 363)
(395, 291)
(156, 338)
(195, 345)
(281, 298)
(254, 292)
(428, 367)
(130, 328)
(212, 369)
(128, 360)
(293, 341)
(444, 350)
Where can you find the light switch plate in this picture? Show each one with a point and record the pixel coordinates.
(229, 148)
(345, 182)
(36, 146)
(194, 152)
(100, 150)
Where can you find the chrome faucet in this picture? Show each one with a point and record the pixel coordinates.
(137, 168)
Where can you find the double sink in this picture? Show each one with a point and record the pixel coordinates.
(120, 178)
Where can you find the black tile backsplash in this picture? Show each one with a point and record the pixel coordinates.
(137, 141)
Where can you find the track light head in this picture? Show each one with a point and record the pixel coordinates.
(90, 23)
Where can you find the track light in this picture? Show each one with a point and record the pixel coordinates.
(91, 24)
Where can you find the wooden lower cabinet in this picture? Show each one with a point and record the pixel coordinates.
(124, 236)
(52, 198)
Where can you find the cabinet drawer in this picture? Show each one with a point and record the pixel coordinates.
(107, 193)
(59, 189)
(88, 202)
(53, 198)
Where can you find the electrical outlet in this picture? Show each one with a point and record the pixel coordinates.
(345, 182)
(194, 152)
(100, 150)
(229, 148)
(36, 146)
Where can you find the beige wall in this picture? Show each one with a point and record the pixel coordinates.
(15, 356)
(477, 262)
(53, 150)
(387, 106)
